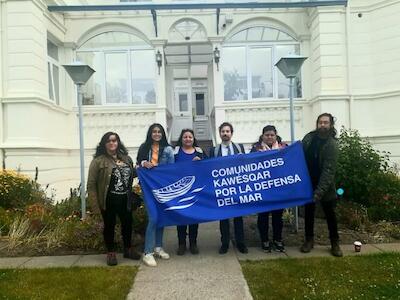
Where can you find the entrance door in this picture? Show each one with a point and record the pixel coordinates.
(182, 107)
(190, 101)
(200, 111)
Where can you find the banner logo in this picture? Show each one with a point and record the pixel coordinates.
(175, 190)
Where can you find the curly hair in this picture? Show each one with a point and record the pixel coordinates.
(101, 147)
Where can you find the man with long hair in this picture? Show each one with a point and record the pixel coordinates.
(321, 152)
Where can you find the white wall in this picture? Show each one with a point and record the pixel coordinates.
(361, 89)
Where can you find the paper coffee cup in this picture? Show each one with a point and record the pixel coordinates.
(357, 246)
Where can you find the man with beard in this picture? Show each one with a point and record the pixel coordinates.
(227, 147)
(321, 152)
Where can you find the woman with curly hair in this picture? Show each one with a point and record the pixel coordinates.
(111, 174)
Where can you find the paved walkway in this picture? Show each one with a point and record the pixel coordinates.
(204, 276)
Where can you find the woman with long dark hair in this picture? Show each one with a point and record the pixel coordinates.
(269, 140)
(187, 149)
(153, 152)
(111, 174)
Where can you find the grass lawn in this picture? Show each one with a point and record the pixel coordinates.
(363, 277)
(67, 283)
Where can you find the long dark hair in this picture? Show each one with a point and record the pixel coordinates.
(149, 140)
(179, 143)
(101, 147)
(332, 130)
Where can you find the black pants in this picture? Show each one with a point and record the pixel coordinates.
(277, 225)
(182, 232)
(239, 232)
(117, 205)
(329, 211)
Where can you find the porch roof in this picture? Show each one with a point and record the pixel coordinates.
(189, 5)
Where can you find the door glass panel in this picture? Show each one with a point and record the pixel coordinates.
(183, 102)
(200, 111)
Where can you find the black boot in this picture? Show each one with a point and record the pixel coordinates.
(181, 249)
(112, 259)
(131, 253)
(193, 247)
(335, 249)
(308, 245)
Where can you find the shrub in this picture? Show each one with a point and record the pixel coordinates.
(69, 206)
(83, 235)
(140, 220)
(18, 190)
(367, 178)
(6, 219)
(389, 229)
(358, 166)
(352, 215)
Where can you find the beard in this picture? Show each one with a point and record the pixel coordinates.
(225, 138)
(324, 132)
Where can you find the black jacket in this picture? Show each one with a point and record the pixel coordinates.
(328, 156)
(237, 148)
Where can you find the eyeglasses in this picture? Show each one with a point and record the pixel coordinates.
(112, 141)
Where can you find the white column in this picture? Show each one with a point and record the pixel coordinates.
(218, 85)
(161, 115)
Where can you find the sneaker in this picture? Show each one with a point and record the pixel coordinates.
(148, 260)
(279, 246)
(266, 246)
(131, 254)
(223, 249)
(307, 246)
(181, 249)
(242, 248)
(193, 248)
(112, 259)
(159, 252)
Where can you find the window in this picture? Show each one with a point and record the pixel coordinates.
(235, 73)
(248, 62)
(53, 72)
(125, 70)
(187, 30)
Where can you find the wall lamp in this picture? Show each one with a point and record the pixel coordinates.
(217, 56)
(159, 60)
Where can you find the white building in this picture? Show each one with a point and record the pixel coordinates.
(352, 71)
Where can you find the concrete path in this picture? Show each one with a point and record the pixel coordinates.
(208, 275)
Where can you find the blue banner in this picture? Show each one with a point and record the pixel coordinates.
(225, 187)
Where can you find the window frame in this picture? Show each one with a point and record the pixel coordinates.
(274, 59)
(53, 62)
(128, 51)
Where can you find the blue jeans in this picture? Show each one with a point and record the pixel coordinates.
(153, 237)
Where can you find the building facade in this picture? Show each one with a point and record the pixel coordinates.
(188, 66)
